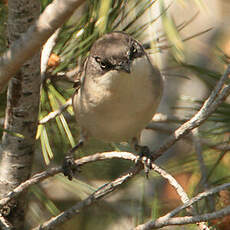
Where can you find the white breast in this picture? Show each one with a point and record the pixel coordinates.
(117, 106)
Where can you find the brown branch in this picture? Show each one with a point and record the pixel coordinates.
(54, 15)
(221, 147)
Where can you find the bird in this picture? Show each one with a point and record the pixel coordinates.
(120, 90)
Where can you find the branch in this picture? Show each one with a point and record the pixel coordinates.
(55, 113)
(110, 187)
(51, 19)
(203, 181)
(180, 191)
(168, 217)
(221, 147)
(101, 192)
(53, 171)
(185, 220)
(107, 189)
(96, 157)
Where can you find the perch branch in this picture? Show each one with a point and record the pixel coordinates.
(53, 171)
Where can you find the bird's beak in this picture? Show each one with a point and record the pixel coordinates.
(125, 66)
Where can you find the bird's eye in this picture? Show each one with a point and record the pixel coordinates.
(104, 64)
(98, 59)
(133, 52)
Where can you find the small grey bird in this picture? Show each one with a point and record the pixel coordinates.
(120, 90)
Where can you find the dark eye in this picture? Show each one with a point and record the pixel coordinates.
(98, 59)
(104, 64)
(133, 52)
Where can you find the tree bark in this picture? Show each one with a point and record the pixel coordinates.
(21, 116)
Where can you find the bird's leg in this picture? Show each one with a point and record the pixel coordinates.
(68, 166)
(144, 156)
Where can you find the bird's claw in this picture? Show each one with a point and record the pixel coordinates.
(146, 159)
(69, 168)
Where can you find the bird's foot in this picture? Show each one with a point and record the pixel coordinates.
(145, 158)
(68, 166)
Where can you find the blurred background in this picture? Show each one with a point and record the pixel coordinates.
(189, 41)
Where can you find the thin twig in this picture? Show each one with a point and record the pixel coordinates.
(180, 191)
(185, 220)
(55, 113)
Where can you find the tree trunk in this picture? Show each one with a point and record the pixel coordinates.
(21, 116)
